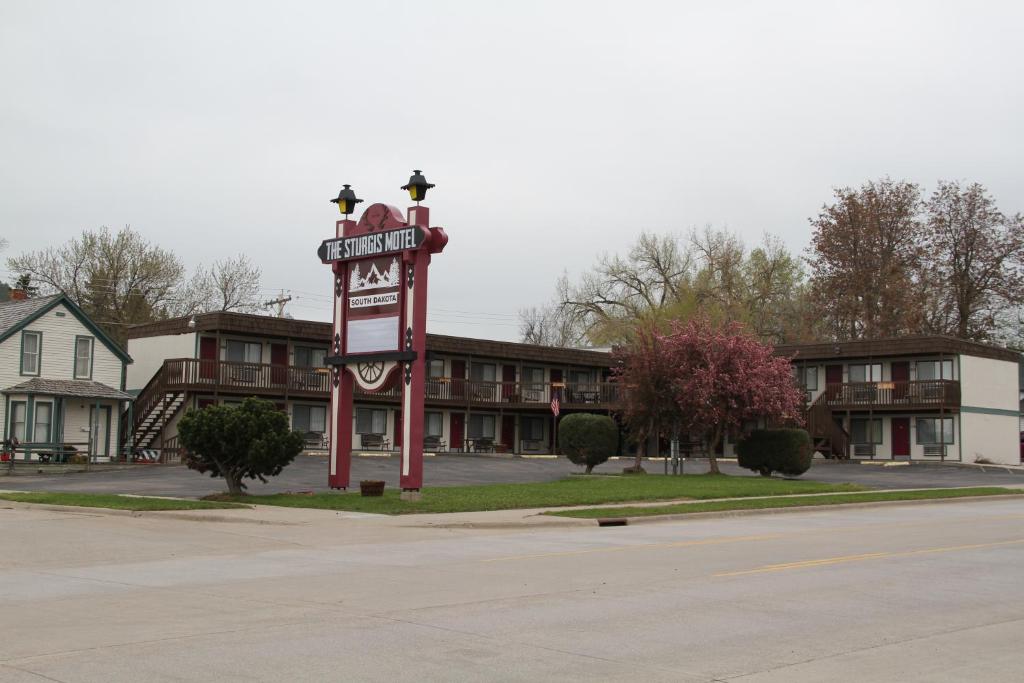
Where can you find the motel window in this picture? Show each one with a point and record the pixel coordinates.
(433, 425)
(308, 357)
(532, 428)
(533, 375)
(863, 430)
(43, 419)
(18, 412)
(483, 372)
(481, 426)
(31, 346)
(810, 378)
(371, 421)
(83, 357)
(244, 352)
(435, 368)
(309, 419)
(933, 430)
(866, 372)
(934, 369)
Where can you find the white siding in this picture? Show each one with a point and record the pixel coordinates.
(59, 327)
(149, 354)
(990, 437)
(988, 383)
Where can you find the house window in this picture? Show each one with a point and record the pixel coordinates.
(435, 368)
(433, 424)
(18, 412)
(308, 357)
(934, 430)
(532, 428)
(43, 421)
(866, 372)
(864, 431)
(31, 347)
(371, 421)
(934, 369)
(483, 372)
(244, 352)
(83, 357)
(481, 426)
(307, 419)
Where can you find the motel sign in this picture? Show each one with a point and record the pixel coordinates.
(380, 265)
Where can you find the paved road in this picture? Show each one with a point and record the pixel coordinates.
(915, 593)
(310, 474)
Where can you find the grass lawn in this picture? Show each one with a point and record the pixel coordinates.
(765, 503)
(115, 502)
(576, 490)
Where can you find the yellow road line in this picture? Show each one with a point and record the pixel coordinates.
(645, 546)
(867, 556)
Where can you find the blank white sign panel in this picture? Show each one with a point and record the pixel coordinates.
(373, 334)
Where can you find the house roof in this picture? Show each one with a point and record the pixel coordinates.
(243, 324)
(77, 388)
(913, 345)
(18, 314)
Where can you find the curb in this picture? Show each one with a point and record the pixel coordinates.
(675, 517)
(151, 514)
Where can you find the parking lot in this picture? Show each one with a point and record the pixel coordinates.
(309, 473)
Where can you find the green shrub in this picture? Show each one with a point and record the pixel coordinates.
(786, 451)
(588, 439)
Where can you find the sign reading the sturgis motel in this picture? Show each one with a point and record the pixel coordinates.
(380, 266)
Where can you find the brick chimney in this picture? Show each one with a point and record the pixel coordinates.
(18, 295)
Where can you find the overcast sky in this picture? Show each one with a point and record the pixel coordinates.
(554, 131)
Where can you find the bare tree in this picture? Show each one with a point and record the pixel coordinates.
(232, 284)
(975, 262)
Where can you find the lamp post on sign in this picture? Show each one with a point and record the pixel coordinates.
(380, 265)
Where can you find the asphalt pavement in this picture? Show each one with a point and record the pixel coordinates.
(309, 473)
(929, 592)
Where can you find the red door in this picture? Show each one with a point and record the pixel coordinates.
(556, 378)
(279, 361)
(901, 437)
(508, 383)
(508, 431)
(900, 376)
(458, 429)
(458, 379)
(207, 357)
(833, 380)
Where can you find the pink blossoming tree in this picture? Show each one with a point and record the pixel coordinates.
(706, 382)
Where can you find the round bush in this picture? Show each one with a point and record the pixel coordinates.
(786, 451)
(587, 439)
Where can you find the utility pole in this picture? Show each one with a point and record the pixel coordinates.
(280, 301)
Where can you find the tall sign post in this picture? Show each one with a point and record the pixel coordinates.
(380, 265)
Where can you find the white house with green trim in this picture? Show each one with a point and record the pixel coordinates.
(62, 380)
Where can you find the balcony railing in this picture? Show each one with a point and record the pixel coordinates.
(280, 380)
(929, 393)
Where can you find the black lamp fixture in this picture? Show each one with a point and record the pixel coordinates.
(346, 200)
(417, 186)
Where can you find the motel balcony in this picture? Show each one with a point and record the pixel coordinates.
(931, 394)
(286, 381)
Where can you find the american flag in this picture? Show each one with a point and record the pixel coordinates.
(555, 406)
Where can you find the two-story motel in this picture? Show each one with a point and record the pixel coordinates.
(921, 398)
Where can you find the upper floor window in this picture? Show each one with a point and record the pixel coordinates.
(934, 369)
(866, 372)
(83, 357)
(580, 376)
(308, 357)
(244, 352)
(31, 350)
(533, 375)
(483, 372)
(435, 367)
(807, 377)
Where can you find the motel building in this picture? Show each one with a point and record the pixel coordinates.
(481, 396)
(926, 398)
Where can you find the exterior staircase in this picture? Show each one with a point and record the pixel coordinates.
(829, 438)
(154, 407)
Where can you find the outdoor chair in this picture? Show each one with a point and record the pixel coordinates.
(434, 444)
(375, 442)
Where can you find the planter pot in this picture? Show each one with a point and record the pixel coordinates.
(371, 488)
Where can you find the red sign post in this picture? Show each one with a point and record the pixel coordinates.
(380, 266)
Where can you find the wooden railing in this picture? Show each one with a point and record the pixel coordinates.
(192, 373)
(821, 425)
(932, 393)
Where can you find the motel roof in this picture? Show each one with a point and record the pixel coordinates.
(911, 345)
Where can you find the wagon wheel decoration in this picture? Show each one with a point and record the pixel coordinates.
(370, 371)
